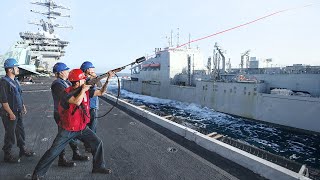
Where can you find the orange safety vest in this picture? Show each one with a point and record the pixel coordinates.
(75, 118)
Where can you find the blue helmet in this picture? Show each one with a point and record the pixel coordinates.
(10, 63)
(58, 67)
(86, 65)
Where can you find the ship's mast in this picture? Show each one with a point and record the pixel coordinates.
(51, 14)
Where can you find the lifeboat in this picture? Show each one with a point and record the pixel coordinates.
(145, 65)
(155, 65)
(151, 65)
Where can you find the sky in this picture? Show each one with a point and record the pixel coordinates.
(112, 34)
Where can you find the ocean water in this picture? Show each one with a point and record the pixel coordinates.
(297, 146)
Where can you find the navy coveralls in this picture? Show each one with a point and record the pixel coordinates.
(10, 92)
(94, 106)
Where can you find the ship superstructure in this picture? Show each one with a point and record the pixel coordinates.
(39, 51)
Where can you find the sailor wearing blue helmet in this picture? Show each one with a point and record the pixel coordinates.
(88, 69)
(11, 112)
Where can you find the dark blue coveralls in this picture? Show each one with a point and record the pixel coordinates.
(94, 106)
(10, 92)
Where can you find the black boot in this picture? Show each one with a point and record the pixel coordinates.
(77, 156)
(64, 162)
(36, 177)
(25, 152)
(88, 149)
(8, 157)
(101, 170)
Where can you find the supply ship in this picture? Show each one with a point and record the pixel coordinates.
(286, 96)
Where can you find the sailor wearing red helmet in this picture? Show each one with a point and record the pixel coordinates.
(58, 87)
(74, 117)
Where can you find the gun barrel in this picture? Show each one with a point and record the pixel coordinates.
(93, 81)
(141, 59)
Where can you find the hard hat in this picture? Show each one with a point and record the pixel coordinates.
(58, 67)
(76, 75)
(10, 63)
(86, 65)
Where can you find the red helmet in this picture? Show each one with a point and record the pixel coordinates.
(76, 75)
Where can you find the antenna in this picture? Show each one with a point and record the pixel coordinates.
(189, 39)
(51, 14)
(178, 37)
(168, 41)
(171, 39)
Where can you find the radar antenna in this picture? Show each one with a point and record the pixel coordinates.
(51, 14)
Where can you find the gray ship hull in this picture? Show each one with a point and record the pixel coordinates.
(240, 99)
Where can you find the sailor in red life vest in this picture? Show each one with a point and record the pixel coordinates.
(74, 117)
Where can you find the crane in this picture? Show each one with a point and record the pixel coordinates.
(244, 55)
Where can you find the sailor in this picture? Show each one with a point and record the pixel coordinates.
(11, 112)
(74, 117)
(58, 87)
(88, 69)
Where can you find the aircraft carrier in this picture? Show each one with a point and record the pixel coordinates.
(37, 52)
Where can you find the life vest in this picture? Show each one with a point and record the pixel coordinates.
(75, 118)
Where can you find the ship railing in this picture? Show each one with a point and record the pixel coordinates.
(279, 160)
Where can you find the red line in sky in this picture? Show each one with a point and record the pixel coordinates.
(239, 26)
